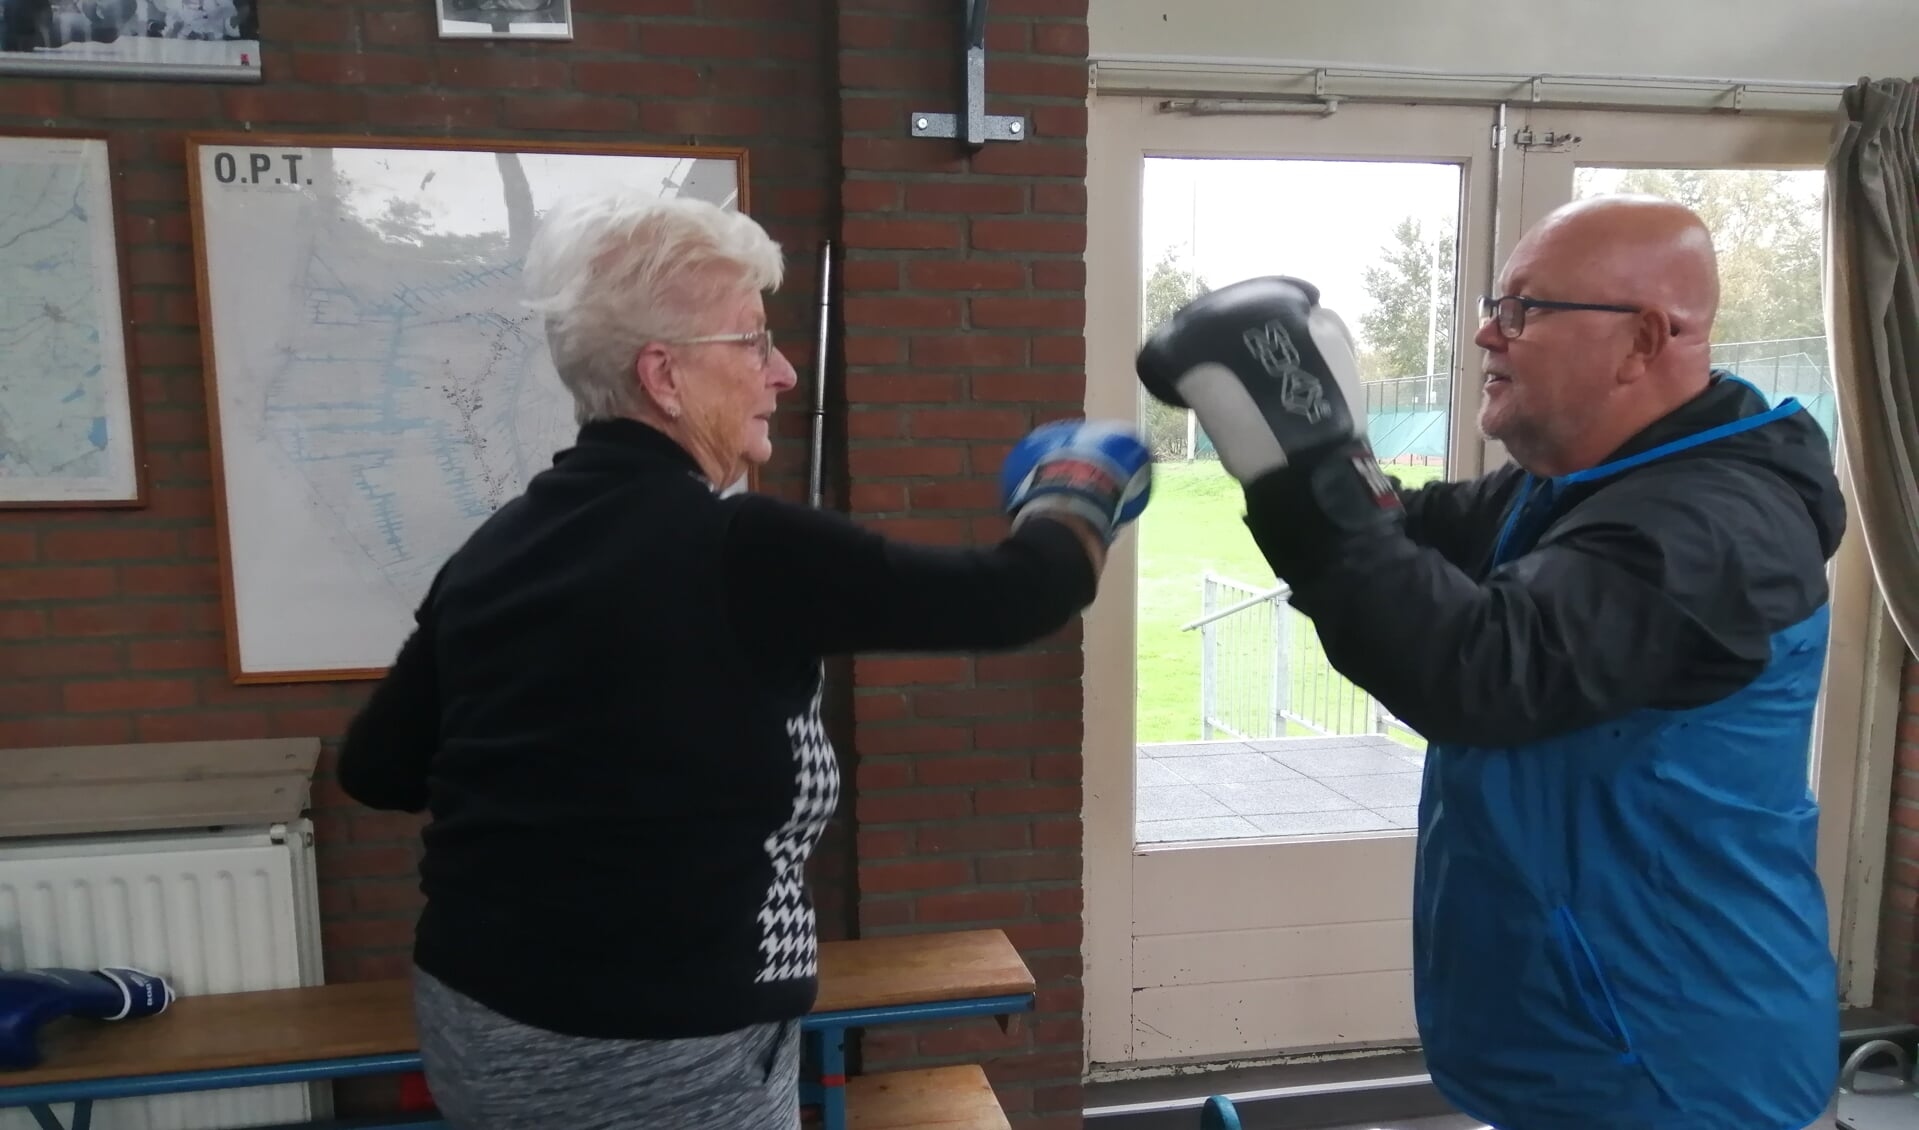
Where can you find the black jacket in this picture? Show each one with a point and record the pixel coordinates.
(1655, 580)
(610, 709)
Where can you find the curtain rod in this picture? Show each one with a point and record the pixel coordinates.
(1200, 75)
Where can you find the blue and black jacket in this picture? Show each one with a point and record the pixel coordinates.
(1616, 921)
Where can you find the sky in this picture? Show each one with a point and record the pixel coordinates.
(1322, 221)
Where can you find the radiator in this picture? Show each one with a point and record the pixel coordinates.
(213, 912)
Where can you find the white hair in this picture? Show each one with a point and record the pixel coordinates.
(614, 270)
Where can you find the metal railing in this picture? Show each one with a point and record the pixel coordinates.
(1262, 673)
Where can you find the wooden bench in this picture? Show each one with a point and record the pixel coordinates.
(367, 1028)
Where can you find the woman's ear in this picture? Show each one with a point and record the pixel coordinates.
(658, 378)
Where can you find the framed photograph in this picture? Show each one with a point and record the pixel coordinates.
(216, 40)
(506, 19)
(68, 431)
(376, 386)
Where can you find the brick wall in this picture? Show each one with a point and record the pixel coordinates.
(1898, 980)
(964, 295)
(963, 287)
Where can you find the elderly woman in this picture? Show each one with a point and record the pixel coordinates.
(609, 707)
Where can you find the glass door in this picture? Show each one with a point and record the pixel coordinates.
(1249, 811)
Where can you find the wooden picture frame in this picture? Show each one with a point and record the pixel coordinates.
(68, 366)
(375, 387)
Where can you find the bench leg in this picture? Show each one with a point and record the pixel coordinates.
(831, 1050)
(82, 1116)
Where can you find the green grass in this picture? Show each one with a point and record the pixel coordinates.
(1195, 524)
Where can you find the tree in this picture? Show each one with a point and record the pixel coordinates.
(1168, 288)
(1409, 330)
(1769, 241)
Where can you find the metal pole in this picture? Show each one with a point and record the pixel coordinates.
(815, 472)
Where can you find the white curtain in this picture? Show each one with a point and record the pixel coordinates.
(1872, 310)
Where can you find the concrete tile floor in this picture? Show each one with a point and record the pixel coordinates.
(1218, 790)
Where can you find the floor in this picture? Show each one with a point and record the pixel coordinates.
(1219, 790)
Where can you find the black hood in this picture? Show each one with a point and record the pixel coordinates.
(1732, 421)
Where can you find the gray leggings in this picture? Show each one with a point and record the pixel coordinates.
(491, 1073)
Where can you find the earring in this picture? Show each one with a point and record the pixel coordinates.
(673, 411)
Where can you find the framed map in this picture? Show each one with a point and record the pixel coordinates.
(68, 434)
(375, 385)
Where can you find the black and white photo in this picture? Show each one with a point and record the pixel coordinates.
(506, 19)
(187, 39)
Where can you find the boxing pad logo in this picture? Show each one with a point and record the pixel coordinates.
(1299, 391)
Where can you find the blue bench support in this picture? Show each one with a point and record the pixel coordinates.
(826, 1031)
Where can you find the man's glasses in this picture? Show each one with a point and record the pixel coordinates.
(1510, 310)
(762, 340)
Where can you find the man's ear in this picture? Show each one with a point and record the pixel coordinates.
(1652, 334)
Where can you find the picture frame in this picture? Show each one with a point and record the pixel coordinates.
(375, 385)
(505, 19)
(197, 40)
(70, 422)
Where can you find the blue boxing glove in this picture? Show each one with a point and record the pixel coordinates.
(32, 998)
(1098, 471)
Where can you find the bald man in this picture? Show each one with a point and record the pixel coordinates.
(1613, 646)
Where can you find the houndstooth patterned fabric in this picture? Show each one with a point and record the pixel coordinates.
(789, 947)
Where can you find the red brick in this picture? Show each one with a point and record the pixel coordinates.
(706, 41)
(967, 770)
(869, 349)
(302, 106)
(977, 907)
(869, 498)
(969, 350)
(372, 68)
(1029, 235)
(1059, 350)
(869, 196)
(965, 274)
(149, 100)
(1029, 386)
(901, 388)
(904, 312)
(71, 583)
(973, 836)
(885, 843)
(877, 776)
(130, 543)
(958, 494)
(656, 78)
(31, 733)
(22, 623)
(1046, 155)
(696, 119)
(1059, 274)
(917, 460)
(905, 235)
(435, 110)
(1068, 198)
(964, 198)
(202, 726)
(32, 99)
(128, 695)
(901, 672)
(1028, 868)
(1044, 313)
(866, 30)
(944, 423)
(912, 807)
(917, 875)
(1061, 39)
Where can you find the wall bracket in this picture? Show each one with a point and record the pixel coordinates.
(976, 127)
